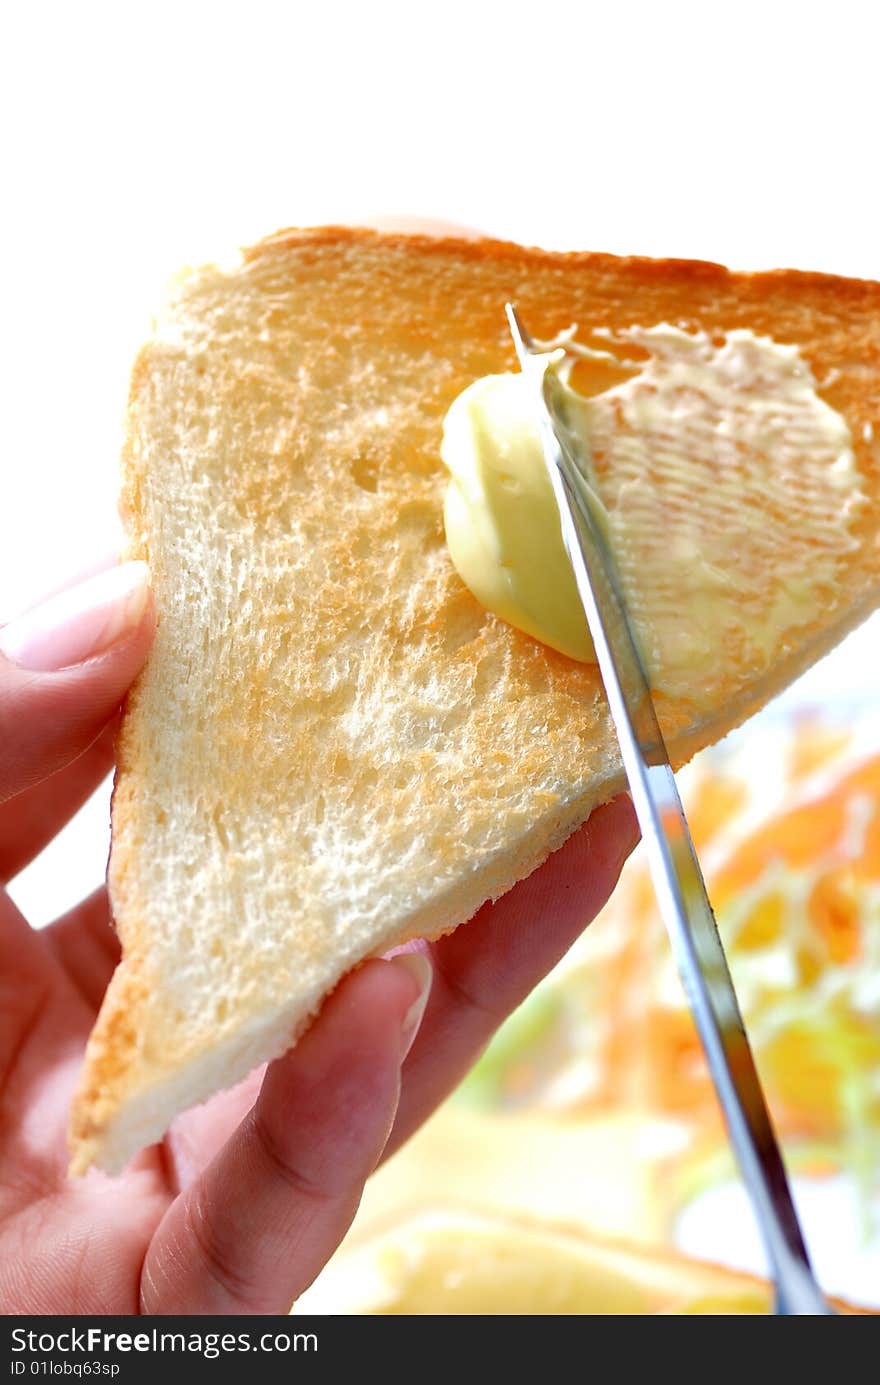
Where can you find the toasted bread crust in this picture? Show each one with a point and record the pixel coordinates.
(283, 451)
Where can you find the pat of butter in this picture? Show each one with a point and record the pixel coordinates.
(502, 523)
(728, 486)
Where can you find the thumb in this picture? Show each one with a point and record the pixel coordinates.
(65, 666)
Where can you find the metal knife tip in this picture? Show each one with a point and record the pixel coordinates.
(518, 333)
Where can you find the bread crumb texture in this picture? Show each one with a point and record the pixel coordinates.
(333, 747)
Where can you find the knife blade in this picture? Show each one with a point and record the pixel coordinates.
(675, 870)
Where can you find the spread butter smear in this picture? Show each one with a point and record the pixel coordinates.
(726, 483)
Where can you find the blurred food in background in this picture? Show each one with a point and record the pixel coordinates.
(593, 1110)
(788, 832)
(459, 1262)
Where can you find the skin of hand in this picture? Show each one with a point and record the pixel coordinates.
(248, 1196)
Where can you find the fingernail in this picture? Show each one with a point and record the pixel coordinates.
(418, 966)
(79, 623)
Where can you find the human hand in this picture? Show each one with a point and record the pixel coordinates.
(247, 1197)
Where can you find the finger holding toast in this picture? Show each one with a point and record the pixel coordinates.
(64, 668)
(254, 1229)
(484, 971)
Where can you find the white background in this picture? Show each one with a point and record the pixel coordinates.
(140, 137)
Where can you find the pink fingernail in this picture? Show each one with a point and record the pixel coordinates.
(418, 966)
(79, 623)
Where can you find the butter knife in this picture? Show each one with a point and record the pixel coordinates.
(675, 871)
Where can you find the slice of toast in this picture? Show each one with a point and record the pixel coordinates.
(333, 747)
